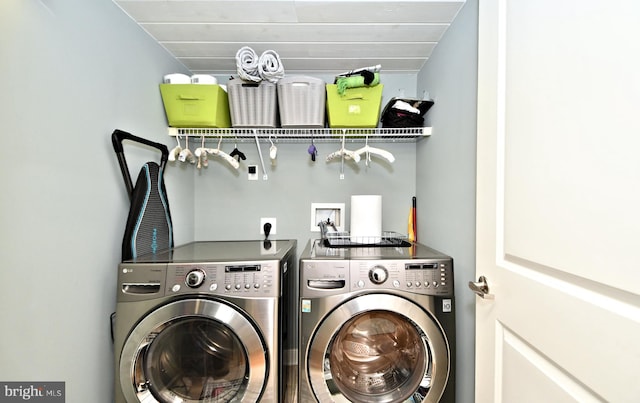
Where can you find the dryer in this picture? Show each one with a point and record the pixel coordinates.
(203, 322)
(376, 324)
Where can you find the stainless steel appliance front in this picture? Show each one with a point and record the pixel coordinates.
(202, 322)
(376, 325)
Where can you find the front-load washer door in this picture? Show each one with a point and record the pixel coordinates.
(194, 350)
(378, 348)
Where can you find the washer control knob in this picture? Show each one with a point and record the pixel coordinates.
(378, 275)
(195, 278)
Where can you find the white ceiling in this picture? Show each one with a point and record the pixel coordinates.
(309, 36)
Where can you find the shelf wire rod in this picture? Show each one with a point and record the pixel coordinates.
(264, 171)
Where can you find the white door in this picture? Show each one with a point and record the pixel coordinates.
(558, 201)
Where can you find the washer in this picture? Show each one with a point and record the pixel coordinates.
(376, 324)
(203, 322)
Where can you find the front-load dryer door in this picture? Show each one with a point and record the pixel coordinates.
(378, 348)
(193, 350)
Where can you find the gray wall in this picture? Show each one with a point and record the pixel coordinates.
(72, 72)
(228, 206)
(446, 166)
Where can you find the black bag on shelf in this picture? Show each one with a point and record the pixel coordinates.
(394, 116)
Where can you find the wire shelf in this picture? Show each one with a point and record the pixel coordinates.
(409, 134)
(344, 240)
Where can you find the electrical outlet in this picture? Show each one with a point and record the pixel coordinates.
(252, 172)
(270, 220)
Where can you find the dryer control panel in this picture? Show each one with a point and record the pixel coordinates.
(243, 279)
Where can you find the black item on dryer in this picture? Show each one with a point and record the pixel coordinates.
(149, 228)
(394, 117)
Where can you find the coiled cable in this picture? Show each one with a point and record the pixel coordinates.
(270, 66)
(250, 67)
(247, 62)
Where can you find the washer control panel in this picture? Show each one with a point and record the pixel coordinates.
(241, 278)
(328, 277)
(429, 277)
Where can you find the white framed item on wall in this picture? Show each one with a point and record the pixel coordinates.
(333, 214)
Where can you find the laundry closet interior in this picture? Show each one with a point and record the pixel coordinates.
(93, 69)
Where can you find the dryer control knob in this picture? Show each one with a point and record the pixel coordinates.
(195, 278)
(378, 275)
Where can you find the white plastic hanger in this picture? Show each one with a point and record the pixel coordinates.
(217, 151)
(273, 150)
(175, 151)
(368, 150)
(343, 152)
(201, 154)
(186, 155)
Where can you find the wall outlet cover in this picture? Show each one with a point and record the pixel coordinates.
(333, 212)
(252, 171)
(270, 220)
